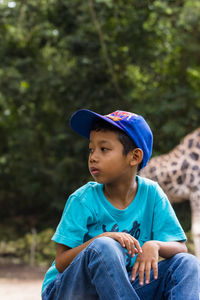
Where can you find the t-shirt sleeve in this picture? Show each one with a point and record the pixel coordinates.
(166, 226)
(73, 226)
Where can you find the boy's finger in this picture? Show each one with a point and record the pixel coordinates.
(155, 269)
(137, 245)
(121, 240)
(134, 271)
(128, 244)
(131, 249)
(147, 272)
(141, 273)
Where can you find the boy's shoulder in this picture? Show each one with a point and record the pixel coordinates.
(86, 190)
(148, 185)
(147, 182)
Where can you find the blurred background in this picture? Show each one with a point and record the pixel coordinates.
(57, 56)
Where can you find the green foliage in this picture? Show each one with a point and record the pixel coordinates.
(183, 212)
(190, 243)
(20, 250)
(59, 56)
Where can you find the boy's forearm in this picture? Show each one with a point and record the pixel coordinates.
(169, 249)
(64, 259)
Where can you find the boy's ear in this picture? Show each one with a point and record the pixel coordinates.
(136, 157)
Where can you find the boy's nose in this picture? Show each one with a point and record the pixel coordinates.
(93, 157)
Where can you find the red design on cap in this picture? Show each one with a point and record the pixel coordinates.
(120, 115)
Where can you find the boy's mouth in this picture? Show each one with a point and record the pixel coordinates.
(94, 171)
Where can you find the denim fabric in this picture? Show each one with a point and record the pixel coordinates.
(99, 272)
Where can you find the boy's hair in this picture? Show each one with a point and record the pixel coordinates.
(125, 140)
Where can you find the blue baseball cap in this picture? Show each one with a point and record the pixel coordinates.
(132, 124)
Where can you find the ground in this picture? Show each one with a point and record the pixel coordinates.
(20, 282)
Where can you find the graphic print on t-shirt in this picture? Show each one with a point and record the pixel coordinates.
(134, 231)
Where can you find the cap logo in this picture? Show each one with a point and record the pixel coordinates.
(120, 115)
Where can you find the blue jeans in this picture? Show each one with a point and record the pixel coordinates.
(99, 272)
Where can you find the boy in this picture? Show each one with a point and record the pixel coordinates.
(113, 231)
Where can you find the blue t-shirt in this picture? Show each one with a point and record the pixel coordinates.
(88, 213)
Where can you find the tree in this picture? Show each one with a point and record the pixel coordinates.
(59, 56)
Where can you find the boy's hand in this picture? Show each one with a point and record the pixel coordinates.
(126, 240)
(145, 261)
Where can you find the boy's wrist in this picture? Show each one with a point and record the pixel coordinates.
(155, 244)
(103, 234)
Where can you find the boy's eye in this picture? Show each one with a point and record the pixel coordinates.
(91, 150)
(103, 149)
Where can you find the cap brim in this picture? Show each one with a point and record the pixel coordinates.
(82, 120)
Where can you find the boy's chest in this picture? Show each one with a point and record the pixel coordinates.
(137, 224)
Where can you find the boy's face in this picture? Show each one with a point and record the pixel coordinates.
(106, 162)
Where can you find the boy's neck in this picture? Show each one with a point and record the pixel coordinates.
(121, 195)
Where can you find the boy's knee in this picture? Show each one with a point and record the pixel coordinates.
(106, 245)
(103, 243)
(189, 261)
(107, 250)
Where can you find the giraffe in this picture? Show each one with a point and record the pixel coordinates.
(178, 173)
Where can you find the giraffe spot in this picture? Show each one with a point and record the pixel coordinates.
(155, 178)
(171, 188)
(166, 182)
(194, 156)
(195, 168)
(194, 189)
(174, 163)
(179, 180)
(191, 178)
(198, 145)
(152, 169)
(185, 165)
(190, 142)
(174, 172)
